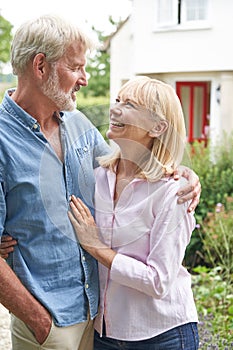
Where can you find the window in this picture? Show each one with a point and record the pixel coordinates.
(167, 12)
(194, 10)
(181, 12)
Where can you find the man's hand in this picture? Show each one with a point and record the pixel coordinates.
(7, 246)
(40, 322)
(18, 300)
(41, 325)
(192, 190)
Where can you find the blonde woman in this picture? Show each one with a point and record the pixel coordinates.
(140, 233)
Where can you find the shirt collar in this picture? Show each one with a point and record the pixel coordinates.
(16, 111)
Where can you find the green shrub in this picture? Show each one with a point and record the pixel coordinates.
(214, 166)
(96, 109)
(214, 301)
(217, 237)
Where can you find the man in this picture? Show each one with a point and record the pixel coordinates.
(45, 157)
(51, 285)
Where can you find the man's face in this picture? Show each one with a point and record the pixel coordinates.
(66, 77)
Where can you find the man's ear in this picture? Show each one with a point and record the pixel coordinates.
(158, 129)
(39, 63)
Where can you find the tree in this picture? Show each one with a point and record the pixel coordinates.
(99, 65)
(5, 40)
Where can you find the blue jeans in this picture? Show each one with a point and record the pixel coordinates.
(182, 337)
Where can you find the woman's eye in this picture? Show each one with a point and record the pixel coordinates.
(130, 104)
(127, 103)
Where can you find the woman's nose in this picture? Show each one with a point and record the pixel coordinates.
(115, 109)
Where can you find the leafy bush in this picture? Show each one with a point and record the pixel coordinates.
(214, 301)
(214, 166)
(97, 110)
(217, 237)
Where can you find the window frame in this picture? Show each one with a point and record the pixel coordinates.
(179, 21)
(186, 22)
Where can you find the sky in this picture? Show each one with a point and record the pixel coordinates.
(85, 13)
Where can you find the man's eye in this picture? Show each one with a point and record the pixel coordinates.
(117, 100)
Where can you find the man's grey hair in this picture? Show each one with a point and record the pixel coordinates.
(48, 34)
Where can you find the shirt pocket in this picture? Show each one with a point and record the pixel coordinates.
(85, 177)
(85, 158)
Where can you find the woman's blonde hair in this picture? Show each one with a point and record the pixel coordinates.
(163, 103)
(48, 34)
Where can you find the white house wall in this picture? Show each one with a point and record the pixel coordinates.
(205, 48)
(121, 68)
(200, 54)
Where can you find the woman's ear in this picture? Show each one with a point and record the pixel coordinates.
(158, 129)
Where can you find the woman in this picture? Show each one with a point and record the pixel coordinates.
(141, 233)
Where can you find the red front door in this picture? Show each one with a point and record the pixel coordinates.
(195, 100)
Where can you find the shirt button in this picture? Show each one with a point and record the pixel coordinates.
(35, 126)
(85, 149)
(83, 257)
(87, 285)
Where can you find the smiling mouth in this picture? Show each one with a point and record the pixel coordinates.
(119, 125)
(77, 88)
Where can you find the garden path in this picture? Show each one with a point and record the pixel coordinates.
(5, 340)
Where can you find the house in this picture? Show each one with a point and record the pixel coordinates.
(186, 43)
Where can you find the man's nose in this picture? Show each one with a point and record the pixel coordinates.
(82, 80)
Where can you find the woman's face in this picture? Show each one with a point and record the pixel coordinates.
(129, 121)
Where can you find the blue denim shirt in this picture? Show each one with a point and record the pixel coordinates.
(35, 187)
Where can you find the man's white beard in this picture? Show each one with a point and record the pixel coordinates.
(51, 89)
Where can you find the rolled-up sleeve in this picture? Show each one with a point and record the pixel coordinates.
(2, 206)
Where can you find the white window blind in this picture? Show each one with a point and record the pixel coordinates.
(194, 10)
(167, 12)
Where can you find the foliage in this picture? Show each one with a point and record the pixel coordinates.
(1, 95)
(96, 109)
(98, 68)
(217, 237)
(212, 290)
(213, 282)
(98, 65)
(214, 166)
(5, 40)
